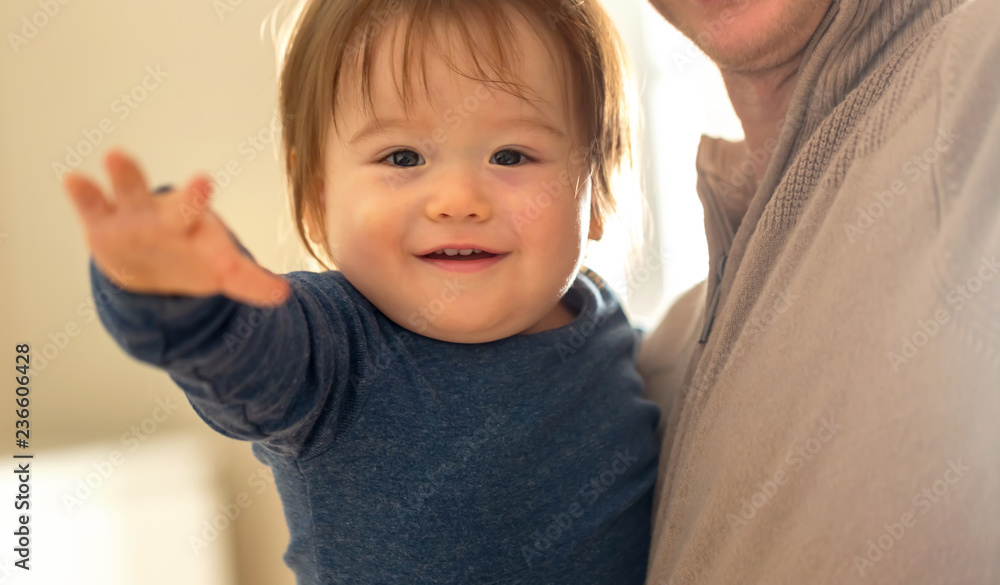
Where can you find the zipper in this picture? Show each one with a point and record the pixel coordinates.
(713, 305)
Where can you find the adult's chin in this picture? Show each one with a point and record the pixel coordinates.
(746, 36)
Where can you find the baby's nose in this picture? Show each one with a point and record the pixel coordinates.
(459, 200)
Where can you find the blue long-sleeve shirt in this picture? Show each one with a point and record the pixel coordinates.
(405, 459)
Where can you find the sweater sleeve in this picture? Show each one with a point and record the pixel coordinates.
(251, 373)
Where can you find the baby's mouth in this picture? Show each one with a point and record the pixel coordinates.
(459, 255)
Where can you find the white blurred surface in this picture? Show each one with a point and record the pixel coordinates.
(105, 514)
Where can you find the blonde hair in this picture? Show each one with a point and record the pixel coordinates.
(321, 38)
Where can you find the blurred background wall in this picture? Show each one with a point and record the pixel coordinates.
(127, 484)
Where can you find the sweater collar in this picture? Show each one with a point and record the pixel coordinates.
(853, 37)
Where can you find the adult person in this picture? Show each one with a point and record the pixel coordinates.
(831, 394)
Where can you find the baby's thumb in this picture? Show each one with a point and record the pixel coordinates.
(248, 282)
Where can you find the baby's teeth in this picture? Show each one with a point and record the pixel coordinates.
(465, 252)
(477, 251)
(451, 252)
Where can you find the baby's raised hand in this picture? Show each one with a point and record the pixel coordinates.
(166, 244)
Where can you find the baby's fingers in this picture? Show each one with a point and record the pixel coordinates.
(248, 282)
(89, 202)
(180, 210)
(127, 181)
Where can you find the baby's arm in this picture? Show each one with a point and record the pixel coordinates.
(252, 372)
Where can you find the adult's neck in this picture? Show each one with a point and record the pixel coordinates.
(760, 100)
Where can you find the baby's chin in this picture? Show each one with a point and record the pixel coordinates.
(464, 330)
(463, 326)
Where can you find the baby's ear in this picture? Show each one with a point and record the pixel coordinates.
(596, 224)
(314, 222)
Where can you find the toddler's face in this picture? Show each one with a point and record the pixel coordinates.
(465, 219)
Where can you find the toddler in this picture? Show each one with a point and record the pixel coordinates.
(457, 401)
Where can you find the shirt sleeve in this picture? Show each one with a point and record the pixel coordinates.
(261, 374)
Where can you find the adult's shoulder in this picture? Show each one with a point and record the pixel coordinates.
(969, 112)
(970, 85)
(966, 173)
(665, 352)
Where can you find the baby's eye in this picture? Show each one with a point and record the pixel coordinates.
(405, 158)
(509, 158)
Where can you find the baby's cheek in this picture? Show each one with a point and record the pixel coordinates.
(371, 218)
(355, 224)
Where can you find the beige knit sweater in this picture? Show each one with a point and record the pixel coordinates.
(841, 421)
